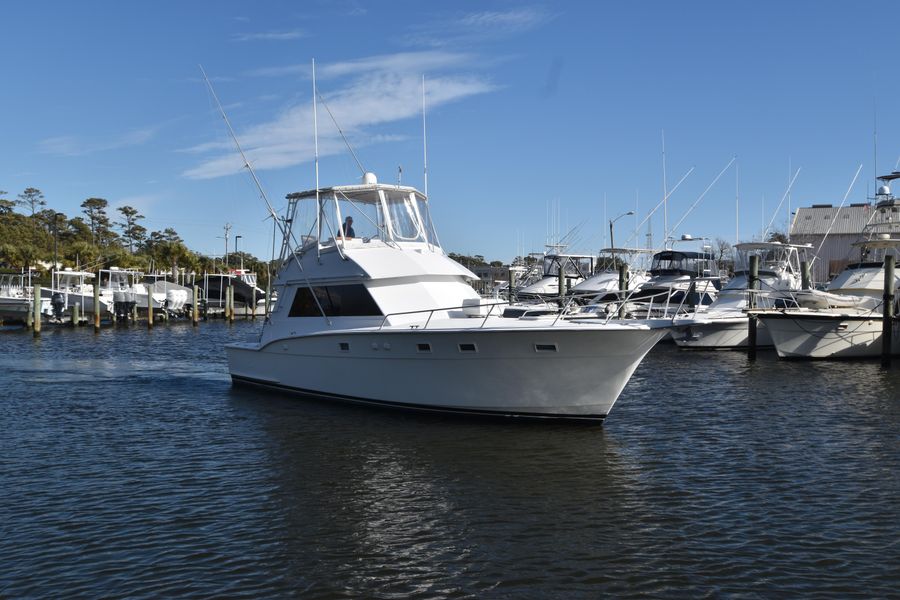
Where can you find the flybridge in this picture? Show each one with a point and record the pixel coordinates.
(350, 215)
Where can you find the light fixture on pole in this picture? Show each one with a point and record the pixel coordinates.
(612, 243)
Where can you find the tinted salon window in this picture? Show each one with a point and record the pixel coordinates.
(336, 301)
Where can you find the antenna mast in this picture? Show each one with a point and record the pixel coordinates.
(788, 232)
(424, 139)
(316, 142)
(737, 204)
(875, 140)
(665, 191)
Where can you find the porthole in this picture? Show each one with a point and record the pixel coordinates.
(423, 347)
(467, 348)
(345, 346)
(545, 348)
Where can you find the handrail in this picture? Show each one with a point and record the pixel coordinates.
(430, 312)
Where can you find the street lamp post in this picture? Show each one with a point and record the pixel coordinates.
(612, 243)
(236, 238)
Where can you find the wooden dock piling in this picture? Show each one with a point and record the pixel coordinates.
(97, 305)
(76, 314)
(36, 311)
(753, 285)
(195, 307)
(887, 318)
(804, 275)
(149, 306)
(623, 287)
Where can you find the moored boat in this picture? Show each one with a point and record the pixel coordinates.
(386, 317)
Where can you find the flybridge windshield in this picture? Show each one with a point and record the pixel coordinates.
(581, 266)
(369, 213)
(682, 263)
(773, 258)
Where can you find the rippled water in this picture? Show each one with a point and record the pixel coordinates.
(130, 467)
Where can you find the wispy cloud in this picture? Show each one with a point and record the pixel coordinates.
(269, 36)
(478, 27)
(510, 21)
(366, 102)
(411, 62)
(67, 145)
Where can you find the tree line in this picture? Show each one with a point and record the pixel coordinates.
(35, 236)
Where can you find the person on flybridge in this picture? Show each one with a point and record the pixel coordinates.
(347, 228)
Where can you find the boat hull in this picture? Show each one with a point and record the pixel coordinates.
(828, 335)
(472, 371)
(712, 334)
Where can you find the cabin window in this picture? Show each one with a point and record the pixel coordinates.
(335, 300)
(345, 346)
(545, 348)
(467, 348)
(406, 222)
(423, 347)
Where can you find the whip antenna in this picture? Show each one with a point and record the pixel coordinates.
(341, 131)
(424, 139)
(316, 150)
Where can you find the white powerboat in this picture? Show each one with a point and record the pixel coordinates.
(573, 268)
(603, 285)
(845, 321)
(386, 318)
(69, 288)
(849, 325)
(16, 297)
(725, 323)
(127, 286)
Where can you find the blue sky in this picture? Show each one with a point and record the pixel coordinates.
(537, 112)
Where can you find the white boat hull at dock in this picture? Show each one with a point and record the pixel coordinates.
(828, 335)
(712, 333)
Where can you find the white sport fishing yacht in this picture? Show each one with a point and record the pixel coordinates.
(845, 321)
(575, 268)
(385, 317)
(680, 280)
(725, 323)
(603, 285)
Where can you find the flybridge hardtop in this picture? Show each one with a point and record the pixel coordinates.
(679, 262)
(362, 191)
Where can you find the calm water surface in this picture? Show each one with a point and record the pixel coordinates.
(130, 467)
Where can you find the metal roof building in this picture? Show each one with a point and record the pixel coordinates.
(811, 224)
